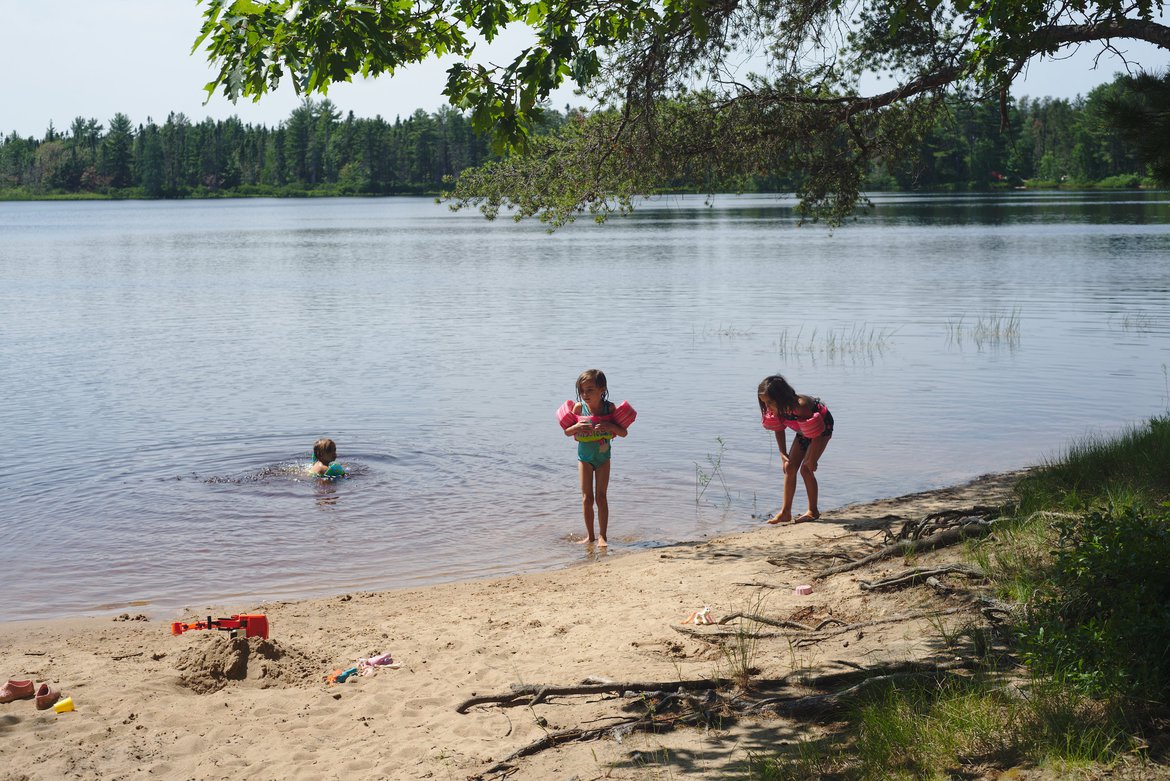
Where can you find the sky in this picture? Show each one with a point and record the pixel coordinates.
(70, 58)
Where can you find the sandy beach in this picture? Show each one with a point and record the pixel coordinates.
(203, 705)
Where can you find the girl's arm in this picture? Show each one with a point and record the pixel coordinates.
(612, 428)
(782, 441)
(581, 426)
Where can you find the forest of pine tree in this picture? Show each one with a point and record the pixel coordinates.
(316, 151)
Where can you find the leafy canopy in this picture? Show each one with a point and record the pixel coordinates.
(666, 80)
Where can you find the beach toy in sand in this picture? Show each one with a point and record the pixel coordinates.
(700, 617)
(341, 676)
(63, 706)
(370, 666)
(255, 625)
(802, 591)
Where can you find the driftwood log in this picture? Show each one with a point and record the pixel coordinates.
(972, 527)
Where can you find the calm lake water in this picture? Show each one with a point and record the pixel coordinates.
(167, 367)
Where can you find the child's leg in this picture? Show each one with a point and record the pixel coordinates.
(795, 457)
(808, 470)
(601, 480)
(585, 475)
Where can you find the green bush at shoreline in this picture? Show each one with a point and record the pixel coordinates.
(1083, 559)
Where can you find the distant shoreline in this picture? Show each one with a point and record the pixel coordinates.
(15, 196)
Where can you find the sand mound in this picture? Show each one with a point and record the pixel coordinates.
(216, 659)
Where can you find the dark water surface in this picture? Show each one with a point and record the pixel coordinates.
(166, 368)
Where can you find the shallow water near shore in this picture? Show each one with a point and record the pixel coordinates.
(168, 365)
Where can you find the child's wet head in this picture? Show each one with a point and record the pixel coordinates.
(325, 450)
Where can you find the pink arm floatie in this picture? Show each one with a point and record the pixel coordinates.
(771, 422)
(812, 427)
(624, 414)
(565, 415)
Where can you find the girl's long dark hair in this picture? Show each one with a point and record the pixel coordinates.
(598, 378)
(778, 390)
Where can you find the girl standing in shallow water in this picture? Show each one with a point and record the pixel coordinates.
(780, 408)
(596, 409)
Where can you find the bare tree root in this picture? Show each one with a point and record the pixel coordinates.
(668, 705)
(817, 637)
(973, 527)
(806, 559)
(937, 521)
(782, 623)
(818, 705)
(504, 767)
(858, 674)
(807, 636)
(534, 695)
(921, 575)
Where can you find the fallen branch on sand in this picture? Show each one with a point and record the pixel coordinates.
(916, 576)
(970, 527)
(538, 694)
(667, 710)
(815, 635)
(937, 521)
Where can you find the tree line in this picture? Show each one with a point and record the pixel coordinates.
(977, 145)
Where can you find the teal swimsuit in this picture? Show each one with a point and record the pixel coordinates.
(591, 452)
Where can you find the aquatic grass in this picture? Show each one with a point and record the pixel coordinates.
(851, 340)
(703, 478)
(992, 329)
(722, 330)
(1141, 322)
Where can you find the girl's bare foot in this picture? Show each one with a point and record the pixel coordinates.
(601, 543)
(811, 515)
(586, 541)
(780, 518)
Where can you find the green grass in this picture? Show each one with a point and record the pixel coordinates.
(1086, 562)
(959, 730)
(1133, 467)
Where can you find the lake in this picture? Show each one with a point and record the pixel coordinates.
(167, 367)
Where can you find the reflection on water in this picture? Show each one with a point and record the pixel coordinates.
(168, 366)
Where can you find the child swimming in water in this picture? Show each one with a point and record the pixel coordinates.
(326, 465)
